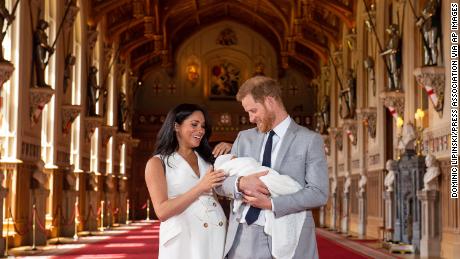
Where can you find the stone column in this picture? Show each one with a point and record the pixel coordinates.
(389, 213)
(123, 197)
(345, 220)
(322, 217)
(109, 198)
(333, 211)
(362, 208)
(345, 217)
(92, 207)
(430, 243)
(38, 197)
(362, 213)
(69, 213)
(3, 193)
(69, 210)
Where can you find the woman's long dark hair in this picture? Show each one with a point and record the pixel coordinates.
(167, 143)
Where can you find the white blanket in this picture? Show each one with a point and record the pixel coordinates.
(285, 231)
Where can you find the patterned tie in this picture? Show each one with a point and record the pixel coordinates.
(253, 212)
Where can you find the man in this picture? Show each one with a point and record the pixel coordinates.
(286, 147)
(393, 53)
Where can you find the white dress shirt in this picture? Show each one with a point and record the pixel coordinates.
(280, 131)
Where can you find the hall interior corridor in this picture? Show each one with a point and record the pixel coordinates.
(86, 86)
(139, 240)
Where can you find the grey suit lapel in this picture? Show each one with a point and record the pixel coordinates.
(256, 147)
(288, 138)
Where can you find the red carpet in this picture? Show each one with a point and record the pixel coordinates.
(140, 240)
(329, 249)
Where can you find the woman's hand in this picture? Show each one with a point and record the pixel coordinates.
(211, 179)
(221, 149)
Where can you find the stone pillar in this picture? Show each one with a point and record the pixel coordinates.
(345, 220)
(69, 213)
(69, 199)
(333, 211)
(389, 213)
(92, 206)
(345, 210)
(430, 243)
(362, 214)
(38, 197)
(123, 196)
(109, 197)
(3, 193)
(93, 211)
(322, 217)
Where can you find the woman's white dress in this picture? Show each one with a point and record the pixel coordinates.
(199, 231)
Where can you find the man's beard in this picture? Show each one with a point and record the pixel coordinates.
(266, 123)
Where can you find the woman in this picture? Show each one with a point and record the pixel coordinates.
(180, 179)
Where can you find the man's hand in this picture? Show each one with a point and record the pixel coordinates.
(257, 200)
(221, 149)
(253, 184)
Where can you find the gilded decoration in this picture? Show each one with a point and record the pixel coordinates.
(225, 79)
(91, 123)
(337, 136)
(107, 132)
(394, 101)
(39, 97)
(69, 114)
(432, 79)
(369, 119)
(6, 70)
(351, 130)
(227, 37)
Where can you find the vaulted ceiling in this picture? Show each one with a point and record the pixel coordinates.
(151, 31)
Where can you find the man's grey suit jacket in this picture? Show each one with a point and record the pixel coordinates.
(301, 156)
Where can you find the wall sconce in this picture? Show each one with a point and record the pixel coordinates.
(419, 114)
(192, 73)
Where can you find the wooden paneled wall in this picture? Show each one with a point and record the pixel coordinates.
(450, 215)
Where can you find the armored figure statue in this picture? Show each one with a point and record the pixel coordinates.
(393, 57)
(325, 113)
(348, 96)
(4, 16)
(42, 53)
(122, 112)
(429, 23)
(69, 63)
(369, 65)
(92, 91)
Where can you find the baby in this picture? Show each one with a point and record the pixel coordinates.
(278, 228)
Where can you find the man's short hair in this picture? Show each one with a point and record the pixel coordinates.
(260, 87)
